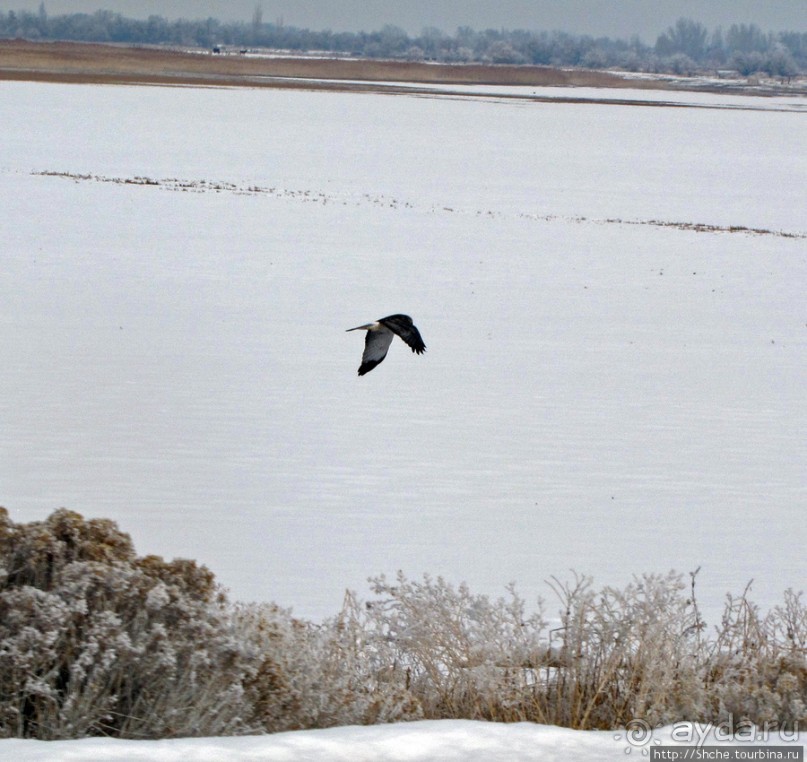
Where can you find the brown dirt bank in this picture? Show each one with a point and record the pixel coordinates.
(87, 62)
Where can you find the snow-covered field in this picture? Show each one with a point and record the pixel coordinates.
(428, 741)
(616, 366)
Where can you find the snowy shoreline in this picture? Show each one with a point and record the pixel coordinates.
(423, 741)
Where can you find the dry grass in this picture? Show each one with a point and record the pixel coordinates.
(86, 62)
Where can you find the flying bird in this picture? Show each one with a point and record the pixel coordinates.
(379, 337)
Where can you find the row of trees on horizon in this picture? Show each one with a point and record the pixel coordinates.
(687, 47)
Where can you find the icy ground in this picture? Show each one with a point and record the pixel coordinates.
(612, 298)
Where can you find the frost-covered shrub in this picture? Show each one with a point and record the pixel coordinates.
(757, 668)
(617, 654)
(624, 654)
(314, 676)
(640, 652)
(94, 640)
(460, 654)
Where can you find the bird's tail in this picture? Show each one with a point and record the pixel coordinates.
(361, 327)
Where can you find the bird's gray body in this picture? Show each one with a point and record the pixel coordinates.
(379, 337)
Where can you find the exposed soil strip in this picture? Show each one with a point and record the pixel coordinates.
(211, 186)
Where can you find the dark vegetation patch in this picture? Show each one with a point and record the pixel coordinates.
(213, 186)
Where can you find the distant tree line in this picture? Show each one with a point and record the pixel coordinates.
(685, 48)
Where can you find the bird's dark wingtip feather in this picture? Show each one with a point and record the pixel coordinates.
(366, 367)
(415, 342)
(404, 327)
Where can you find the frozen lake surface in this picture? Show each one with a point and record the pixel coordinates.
(606, 389)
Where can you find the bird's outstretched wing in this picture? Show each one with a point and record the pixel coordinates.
(376, 345)
(403, 326)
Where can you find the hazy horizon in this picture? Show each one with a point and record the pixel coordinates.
(611, 18)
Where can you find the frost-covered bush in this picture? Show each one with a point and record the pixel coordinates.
(615, 654)
(314, 676)
(460, 654)
(94, 640)
(757, 666)
(625, 654)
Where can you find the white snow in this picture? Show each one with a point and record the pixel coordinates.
(603, 390)
(427, 741)
(794, 101)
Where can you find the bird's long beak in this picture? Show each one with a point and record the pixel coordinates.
(361, 327)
